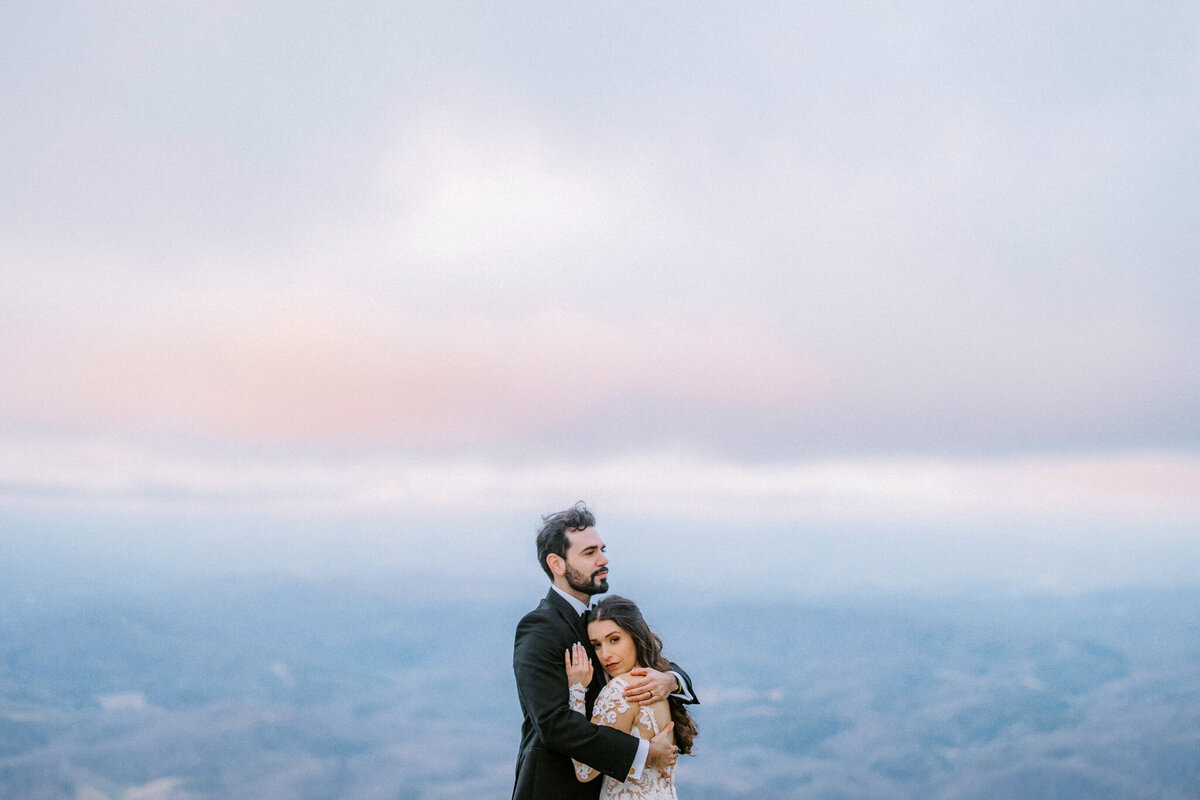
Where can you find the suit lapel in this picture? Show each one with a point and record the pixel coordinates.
(572, 618)
(567, 613)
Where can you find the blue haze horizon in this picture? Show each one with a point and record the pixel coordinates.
(724, 560)
(218, 688)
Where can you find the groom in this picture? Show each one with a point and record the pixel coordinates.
(572, 554)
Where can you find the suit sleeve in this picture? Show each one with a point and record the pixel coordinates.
(542, 686)
(689, 694)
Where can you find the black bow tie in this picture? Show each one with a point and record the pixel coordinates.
(586, 616)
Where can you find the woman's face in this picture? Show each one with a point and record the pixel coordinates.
(614, 647)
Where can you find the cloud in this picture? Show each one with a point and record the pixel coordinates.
(1147, 490)
(932, 264)
(875, 256)
(344, 370)
(487, 193)
(124, 701)
(283, 673)
(159, 789)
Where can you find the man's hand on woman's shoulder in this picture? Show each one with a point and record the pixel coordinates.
(646, 686)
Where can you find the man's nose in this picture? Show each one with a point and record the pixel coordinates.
(602, 560)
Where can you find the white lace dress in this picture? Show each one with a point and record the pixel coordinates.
(610, 706)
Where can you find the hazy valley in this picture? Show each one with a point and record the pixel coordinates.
(283, 689)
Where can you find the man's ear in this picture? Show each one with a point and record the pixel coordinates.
(557, 564)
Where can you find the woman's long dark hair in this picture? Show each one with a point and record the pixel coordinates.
(626, 615)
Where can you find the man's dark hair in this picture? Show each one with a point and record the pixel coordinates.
(552, 538)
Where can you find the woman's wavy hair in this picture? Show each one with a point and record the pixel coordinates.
(628, 617)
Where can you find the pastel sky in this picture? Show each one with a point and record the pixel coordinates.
(933, 265)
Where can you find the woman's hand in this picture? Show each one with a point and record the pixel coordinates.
(579, 666)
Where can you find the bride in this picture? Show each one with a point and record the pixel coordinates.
(623, 641)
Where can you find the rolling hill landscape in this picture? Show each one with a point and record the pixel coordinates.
(238, 688)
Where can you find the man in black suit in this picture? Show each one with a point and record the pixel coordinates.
(572, 554)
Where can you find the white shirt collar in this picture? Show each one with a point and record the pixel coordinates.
(575, 602)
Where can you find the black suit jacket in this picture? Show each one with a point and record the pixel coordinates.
(551, 733)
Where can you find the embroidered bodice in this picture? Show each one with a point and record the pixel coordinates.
(611, 705)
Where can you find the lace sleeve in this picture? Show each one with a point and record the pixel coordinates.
(611, 706)
(578, 692)
(611, 710)
(583, 772)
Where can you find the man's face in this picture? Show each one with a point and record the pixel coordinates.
(587, 566)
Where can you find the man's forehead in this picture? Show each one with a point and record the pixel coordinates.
(579, 540)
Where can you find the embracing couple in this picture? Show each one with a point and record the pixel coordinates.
(599, 700)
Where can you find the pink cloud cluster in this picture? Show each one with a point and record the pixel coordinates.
(321, 371)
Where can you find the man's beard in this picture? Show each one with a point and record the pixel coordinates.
(587, 585)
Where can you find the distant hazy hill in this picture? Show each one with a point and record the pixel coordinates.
(285, 690)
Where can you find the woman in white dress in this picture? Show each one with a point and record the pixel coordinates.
(622, 641)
